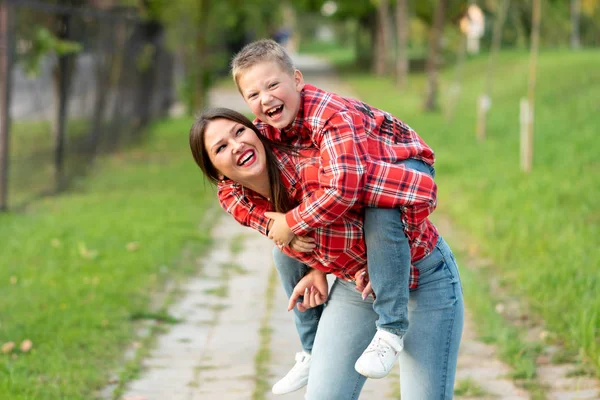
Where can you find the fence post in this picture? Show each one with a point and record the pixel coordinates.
(63, 89)
(6, 46)
(527, 156)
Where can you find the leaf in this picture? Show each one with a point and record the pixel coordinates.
(8, 347)
(85, 252)
(132, 246)
(26, 345)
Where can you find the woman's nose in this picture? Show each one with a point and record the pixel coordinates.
(237, 146)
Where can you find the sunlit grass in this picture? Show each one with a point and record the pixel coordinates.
(78, 269)
(541, 228)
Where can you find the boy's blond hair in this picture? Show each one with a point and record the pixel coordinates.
(257, 52)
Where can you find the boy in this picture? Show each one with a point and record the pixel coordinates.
(347, 133)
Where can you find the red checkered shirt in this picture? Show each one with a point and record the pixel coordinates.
(340, 246)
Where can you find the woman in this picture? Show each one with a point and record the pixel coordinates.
(266, 175)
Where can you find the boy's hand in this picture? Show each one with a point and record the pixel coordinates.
(303, 244)
(280, 232)
(313, 287)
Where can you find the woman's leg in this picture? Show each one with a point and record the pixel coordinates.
(290, 272)
(345, 330)
(428, 362)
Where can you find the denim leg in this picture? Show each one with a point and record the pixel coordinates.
(428, 362)
(290, 272)
(388, 258)
(345, 330)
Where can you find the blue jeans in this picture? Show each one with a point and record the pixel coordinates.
(388, 258)
(290, 272)
(428, 361)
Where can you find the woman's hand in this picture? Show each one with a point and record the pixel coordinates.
(280, 231)
(313, 287)
(303, 244)
(363, 284)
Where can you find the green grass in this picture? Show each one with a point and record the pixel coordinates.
(73, 283)
(468, 388)
(540, 229)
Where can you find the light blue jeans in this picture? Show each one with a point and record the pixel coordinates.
(428, 361)
(290, 272)
(388, 258)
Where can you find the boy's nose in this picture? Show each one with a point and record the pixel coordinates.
(266, 98)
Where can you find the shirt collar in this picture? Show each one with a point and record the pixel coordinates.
(295, 128)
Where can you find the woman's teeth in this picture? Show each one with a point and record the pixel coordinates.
(246, 159)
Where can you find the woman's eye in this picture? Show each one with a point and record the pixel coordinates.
(221, 147)
(239, 132)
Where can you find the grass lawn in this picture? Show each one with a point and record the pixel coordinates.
(540, 229)
(77, 269)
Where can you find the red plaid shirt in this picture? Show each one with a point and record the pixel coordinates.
(355, 142)
(340, 247)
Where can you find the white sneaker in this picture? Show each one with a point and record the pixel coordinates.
(379, 358)
(297, 378)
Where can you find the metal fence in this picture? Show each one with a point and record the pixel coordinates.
(55, 122)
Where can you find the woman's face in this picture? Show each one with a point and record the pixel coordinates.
(235, 151)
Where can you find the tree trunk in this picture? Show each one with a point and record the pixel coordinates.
(383, 39)
(402, 35)
(575, 14)
(201, 54)
(431, 101)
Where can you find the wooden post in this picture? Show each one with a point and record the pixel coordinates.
(6, 46)
(63, 79)
(527, 156)
(485, 101)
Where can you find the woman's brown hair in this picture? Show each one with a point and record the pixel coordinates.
(279, 195)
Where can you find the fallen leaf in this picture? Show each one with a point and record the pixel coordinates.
(26, 345)
(55, 243)
(85, 252)
(499, 308)
(8, 347)
(13, 280)
(132, 246)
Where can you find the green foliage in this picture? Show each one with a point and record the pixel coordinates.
(44, 43)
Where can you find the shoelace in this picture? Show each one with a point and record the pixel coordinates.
(380, 346)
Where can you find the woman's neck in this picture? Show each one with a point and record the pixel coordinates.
(260, 186)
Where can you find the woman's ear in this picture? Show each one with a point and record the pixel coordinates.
(221, 177)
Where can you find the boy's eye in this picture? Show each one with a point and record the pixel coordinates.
(272, 85)
(252, 95)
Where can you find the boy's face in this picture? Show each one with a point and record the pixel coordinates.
(272, 94)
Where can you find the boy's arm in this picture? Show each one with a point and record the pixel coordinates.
(233, 200)
(343, 156)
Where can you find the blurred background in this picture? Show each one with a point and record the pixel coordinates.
(100, 200)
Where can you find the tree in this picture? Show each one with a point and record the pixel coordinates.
(383, 39)
(402, 42)
(433, 56)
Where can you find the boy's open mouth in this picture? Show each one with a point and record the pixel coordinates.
(274, 111)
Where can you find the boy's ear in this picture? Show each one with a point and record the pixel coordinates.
(299, 79)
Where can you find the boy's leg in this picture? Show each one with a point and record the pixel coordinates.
(388, 258)
(290, 272)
